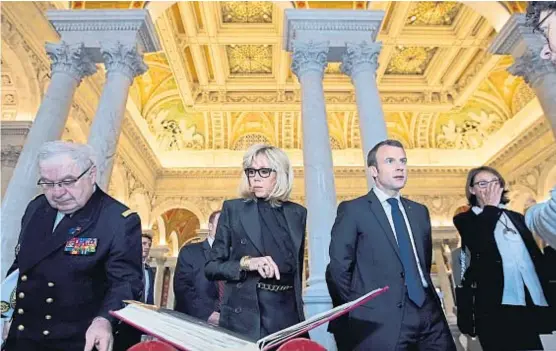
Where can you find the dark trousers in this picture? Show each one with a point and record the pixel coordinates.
(425, 327)
(13, 344)
(508, 328)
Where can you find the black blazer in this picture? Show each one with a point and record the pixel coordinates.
(239, 234)
(477, 233)
(81, 287)
(364, 256)
(195, 294)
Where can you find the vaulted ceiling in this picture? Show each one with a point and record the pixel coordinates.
(223, 80)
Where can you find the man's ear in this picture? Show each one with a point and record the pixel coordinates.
(93, 173)
(374, 171)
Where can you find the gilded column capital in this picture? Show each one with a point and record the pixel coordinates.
(124, 59)
(532, 67)
(309, 56)
(360, 57)
(71, 59)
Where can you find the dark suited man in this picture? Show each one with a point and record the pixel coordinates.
(78, 255)
(382, 239)
(148, 271)
(195, 294)
(258, 248)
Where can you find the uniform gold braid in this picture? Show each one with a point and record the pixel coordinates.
(4, 307)
(12, 299)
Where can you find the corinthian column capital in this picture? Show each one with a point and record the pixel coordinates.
(532, 67)
(309, 56)
(124, 59)
(360, 57)
(72, 60)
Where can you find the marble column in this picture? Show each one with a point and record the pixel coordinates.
(517, 39)
(309, 59)
(360, 62)
(444, 280)
(159, 279)
(171, 295)
(70, 64)
(123, 63)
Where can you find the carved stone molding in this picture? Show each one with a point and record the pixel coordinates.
(124, 59)
(10, 155)
(360, 57)
(309, 56)
(71, 59)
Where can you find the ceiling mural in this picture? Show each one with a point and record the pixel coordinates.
(246, 11)
(181, 221)
(174, 128)
(433, 13)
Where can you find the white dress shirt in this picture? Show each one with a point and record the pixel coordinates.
(59, 217)
(517, 265)
(210, 240)
(147, 282)
(383, 197)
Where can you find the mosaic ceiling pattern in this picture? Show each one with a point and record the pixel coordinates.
(433, 13)
(410, 60)
(246, 11)
(249, 59)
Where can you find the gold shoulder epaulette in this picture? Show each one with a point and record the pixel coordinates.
(127, 212)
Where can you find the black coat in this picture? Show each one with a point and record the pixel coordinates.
(150, 293)
(195, 294)
(239, 234)
(477, 233)
(62, 293)
(364, 256)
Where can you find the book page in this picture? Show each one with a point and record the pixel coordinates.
(185, 333)
(315, 321)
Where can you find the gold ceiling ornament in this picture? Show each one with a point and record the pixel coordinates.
(249, 59)
(410, 60)
(245, 141)
(433, 13)
(107, 5)
(333, 68)
(246, 11)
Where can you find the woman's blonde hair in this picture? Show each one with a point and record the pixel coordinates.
(279, 162)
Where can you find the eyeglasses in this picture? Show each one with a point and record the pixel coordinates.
(484, 183)
(263, 172)
(66, 183)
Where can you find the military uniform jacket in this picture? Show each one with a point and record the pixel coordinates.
(61, 288)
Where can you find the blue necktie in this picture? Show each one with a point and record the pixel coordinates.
(413, 282)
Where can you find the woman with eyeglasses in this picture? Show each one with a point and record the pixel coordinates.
(512, 297)
(258, 248)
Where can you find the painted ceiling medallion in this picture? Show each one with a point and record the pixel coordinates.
(410, 60)
(246, 11)
(249, 59)
(433, 13)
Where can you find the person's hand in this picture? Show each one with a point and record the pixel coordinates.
(214, 318)
(99, 335)
(266, 267)
(492, 194)
(6, 329)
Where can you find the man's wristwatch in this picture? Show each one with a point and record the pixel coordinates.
(244, 263)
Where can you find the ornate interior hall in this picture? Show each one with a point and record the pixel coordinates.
(218, 78)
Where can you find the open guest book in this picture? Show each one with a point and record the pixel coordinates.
(191, 334)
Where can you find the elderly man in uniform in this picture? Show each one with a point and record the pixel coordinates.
(78, 255)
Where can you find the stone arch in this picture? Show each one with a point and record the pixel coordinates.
(171, 203)
(182, 225)
(25, 84)
(173, 244)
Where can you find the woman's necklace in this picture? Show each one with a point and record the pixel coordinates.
(507, 229)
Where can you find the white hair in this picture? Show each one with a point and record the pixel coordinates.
(83, 154)
(279, 161)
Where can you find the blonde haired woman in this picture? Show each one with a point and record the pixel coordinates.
(258, 248)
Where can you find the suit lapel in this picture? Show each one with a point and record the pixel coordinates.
(294, 224)
(206, 249)
(415, 230)
(380, 215)
(250, 221)
(37, 229)
(68, 228)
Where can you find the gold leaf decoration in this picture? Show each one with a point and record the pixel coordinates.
(433, 13)
(249, 59)
(246, 11)
(410, 60)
